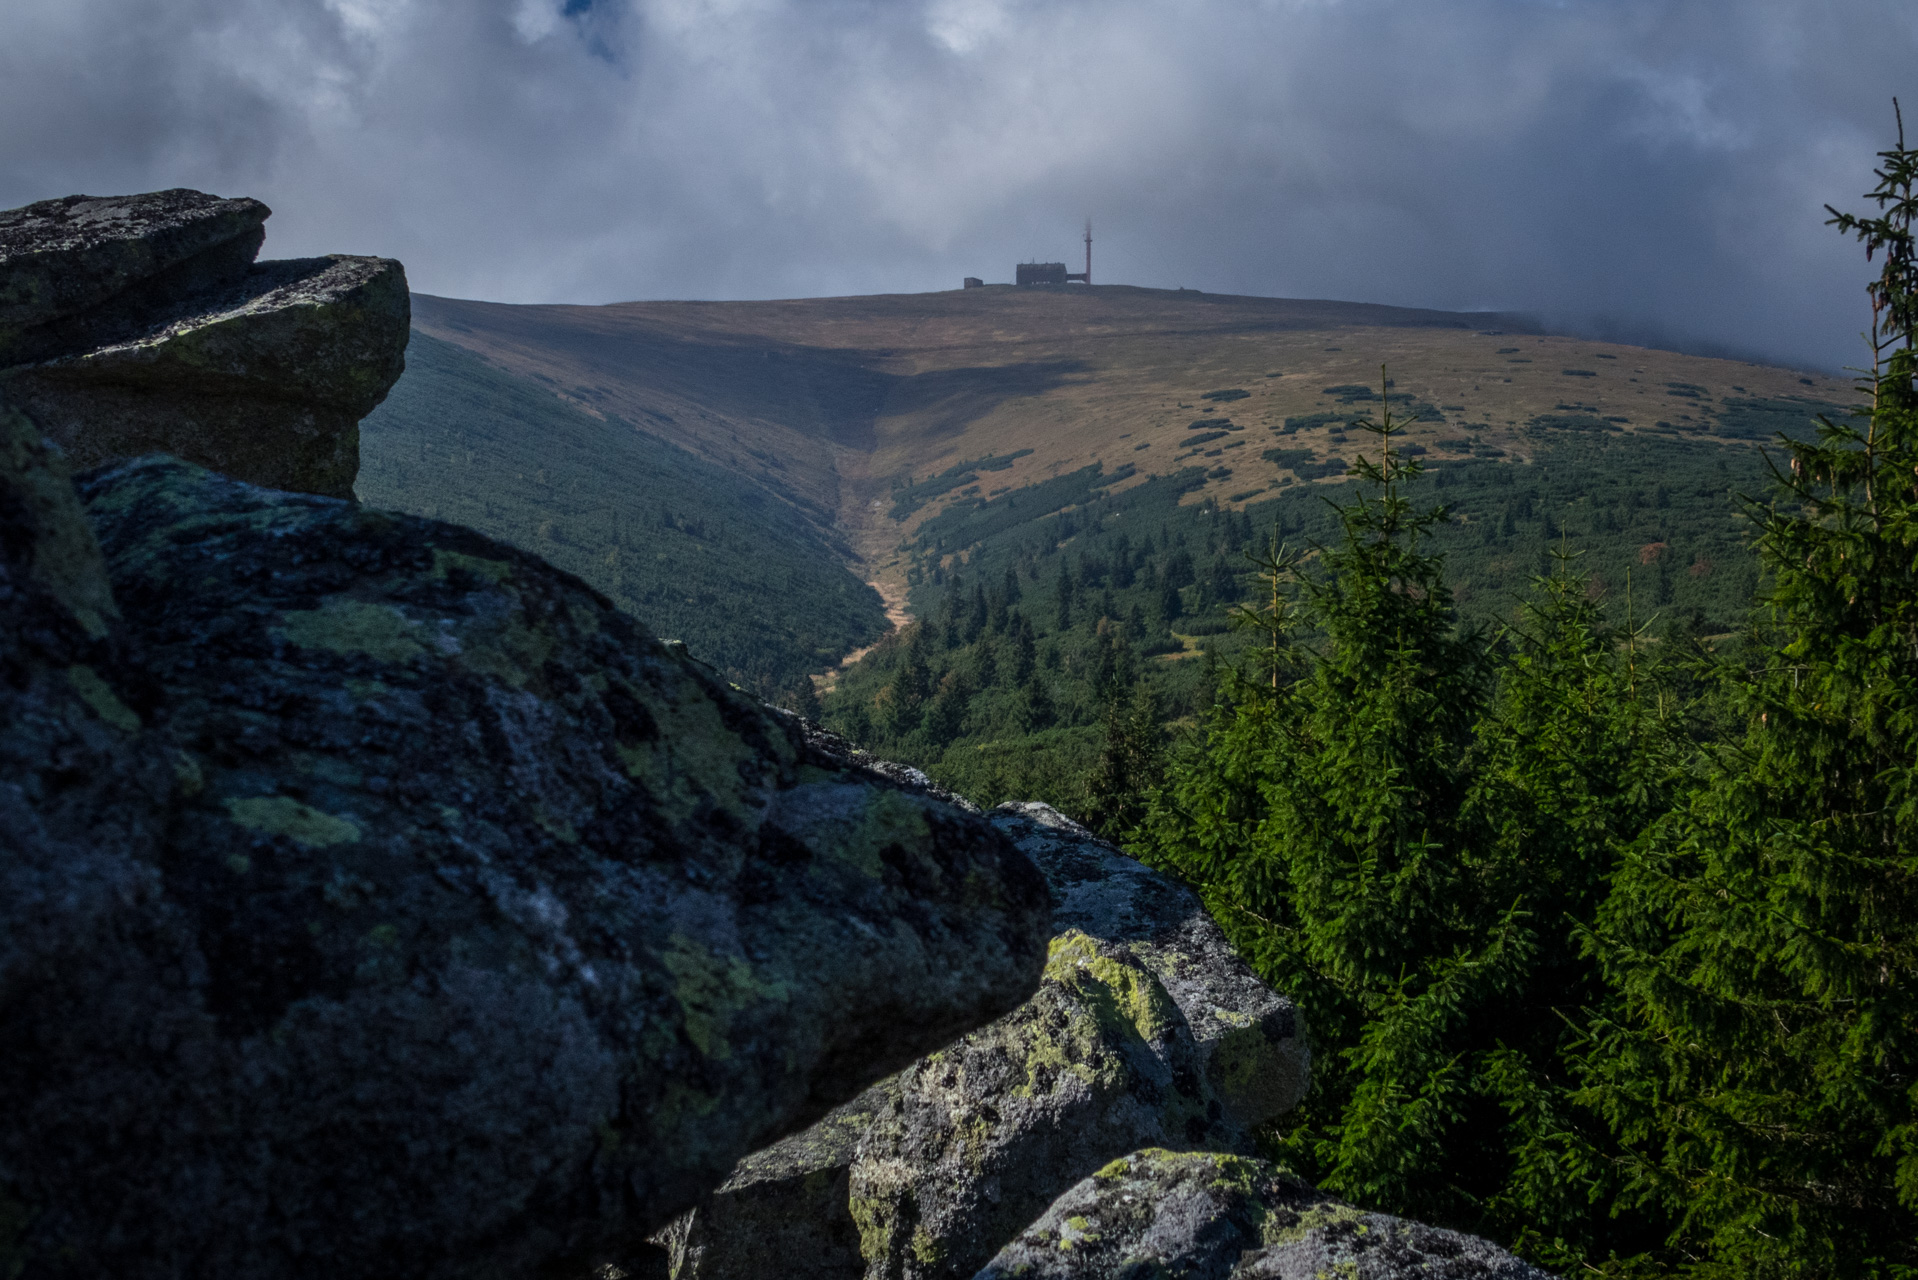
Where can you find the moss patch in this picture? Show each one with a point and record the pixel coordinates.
(355, 627)
(96, 693)
(285, 816)
(711, 989)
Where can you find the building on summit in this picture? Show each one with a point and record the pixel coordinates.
(1055, 272)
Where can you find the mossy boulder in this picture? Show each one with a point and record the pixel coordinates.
(1157, 1214)
(437, 921)
(141, 324)
(1253, 1053)
(1148, 1030)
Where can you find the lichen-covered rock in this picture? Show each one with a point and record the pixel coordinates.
(1148, 1030)
(1206, 1216)
(260, 371)
(465, 929)
(1256, 1061)
(112, 257)
(783, 1211)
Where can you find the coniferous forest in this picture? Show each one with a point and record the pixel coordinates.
(1603, 909)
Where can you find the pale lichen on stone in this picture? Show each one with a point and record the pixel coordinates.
(1164, 1213)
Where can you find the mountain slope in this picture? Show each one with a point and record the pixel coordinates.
(754, 586)
(1118, 446)
(832, 402)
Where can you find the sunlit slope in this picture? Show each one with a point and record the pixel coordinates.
(835, 402)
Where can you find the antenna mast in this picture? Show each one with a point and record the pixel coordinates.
(1088, 275)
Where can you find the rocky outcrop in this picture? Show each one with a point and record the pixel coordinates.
(378, 900)
(141, 324)
(1209, 1217)
(81, 261)
(1148, 1030)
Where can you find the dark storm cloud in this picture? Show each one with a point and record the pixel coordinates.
(1645, 168)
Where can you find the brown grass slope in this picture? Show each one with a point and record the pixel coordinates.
(831, 402)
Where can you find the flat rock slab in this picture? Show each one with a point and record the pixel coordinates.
(470, 931)
(264, 378)
(1204, 1216)
(60, 258)
(140, 324)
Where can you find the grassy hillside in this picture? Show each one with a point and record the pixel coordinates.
(1120, 447)
(699, 553)
(835, 404)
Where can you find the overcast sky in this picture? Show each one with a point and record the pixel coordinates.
(1649, 168)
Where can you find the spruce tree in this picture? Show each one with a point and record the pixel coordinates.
(1763, 1067)
(1325, 822)
(1406, 826)
(1131, 764)
(1582, 749)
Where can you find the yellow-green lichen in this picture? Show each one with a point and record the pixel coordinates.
(186, 773)
(1123, 997)
(696, 762)
(378, 631)
(886, 819)
(872, 1217)
(285, 816)
(96, 693)
(1290, 1228)
(1048, 1054)
(363, 690)
(926, 1247)
(494, 571)
(711, 990)
(559, 828)
(1076, 1231)
(509, 650)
